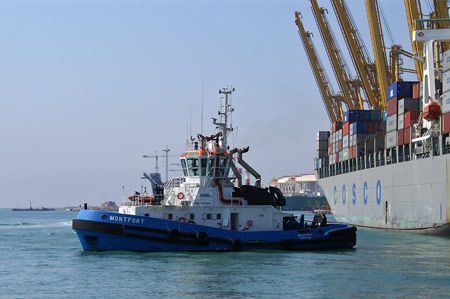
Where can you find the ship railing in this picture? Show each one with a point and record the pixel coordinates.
(169, 187)
(142, 200)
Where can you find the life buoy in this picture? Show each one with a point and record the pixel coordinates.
(182, 219)
(420, 34)
(249, 222)
(180, 195)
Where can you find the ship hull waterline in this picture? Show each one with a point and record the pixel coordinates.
(109, 231)
(411, 196)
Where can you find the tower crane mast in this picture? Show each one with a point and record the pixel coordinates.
(333, 102)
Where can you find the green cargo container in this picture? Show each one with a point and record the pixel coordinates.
(421, 103)
(345, 154)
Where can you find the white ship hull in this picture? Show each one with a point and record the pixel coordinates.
(412, 196)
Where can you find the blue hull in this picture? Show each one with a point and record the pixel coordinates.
(105, 231)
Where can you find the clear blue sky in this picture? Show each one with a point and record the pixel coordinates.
(88, 87)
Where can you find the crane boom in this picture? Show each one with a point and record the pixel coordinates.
(349, 91)
(365, 68)
(333, 103)
(441, 12)
(414, 13)
(376, 35)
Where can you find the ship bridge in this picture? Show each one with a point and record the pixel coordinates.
(204, 163)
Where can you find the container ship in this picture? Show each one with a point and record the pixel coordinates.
(302, 193)
(384, 162)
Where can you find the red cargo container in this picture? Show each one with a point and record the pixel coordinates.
(416, 91)
(400, 137)
(446, 123)
(392, 106)
(410, 116)
(407, 135)
(340, 145)
(345, 128)
(337, 125)
(337, 158)
(351, 152)
(373, 127)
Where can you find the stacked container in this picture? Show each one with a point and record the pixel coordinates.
(322, 149)
(402, 99)
(446, 94)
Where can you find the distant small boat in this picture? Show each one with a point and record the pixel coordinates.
(31, 209)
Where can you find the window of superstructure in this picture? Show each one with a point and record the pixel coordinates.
(192, 216)
(218, 216)
(223, 168)
(192, 166)
(203, 164)
(183, 165)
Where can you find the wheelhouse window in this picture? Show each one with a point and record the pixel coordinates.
(203, 163)
(192, 164)
(183, 165)
(224, 166)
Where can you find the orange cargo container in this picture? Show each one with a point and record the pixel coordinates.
(400, 137)
(407, 135)
(446, 123)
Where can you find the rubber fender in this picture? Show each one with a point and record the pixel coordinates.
(202, 237)
(289, 244)
(174, 234)
(237, 245)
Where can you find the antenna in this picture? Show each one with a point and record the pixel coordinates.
(201, 122)
(167, 150)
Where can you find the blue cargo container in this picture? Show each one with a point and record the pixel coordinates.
(360, 127)
(375, 115)
(364, 115)
(400, 89)
(351, 115)
(384, 115)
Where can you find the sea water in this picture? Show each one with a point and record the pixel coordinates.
(41, 257)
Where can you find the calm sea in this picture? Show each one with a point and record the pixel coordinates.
(40, 257)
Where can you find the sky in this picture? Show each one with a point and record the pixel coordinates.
(89, 87)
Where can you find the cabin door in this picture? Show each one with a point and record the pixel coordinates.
(234, 221)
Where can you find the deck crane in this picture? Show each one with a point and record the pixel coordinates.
(360, 57)
(349, 87)
(332, 101)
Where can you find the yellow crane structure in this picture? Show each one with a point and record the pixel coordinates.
(349, 87)
(441, 12)
(376, 34)
(366, 69)
(414, 12)
(333, 102)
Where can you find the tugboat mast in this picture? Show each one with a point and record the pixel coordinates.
(225, 110)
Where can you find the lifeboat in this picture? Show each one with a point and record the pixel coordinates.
(432, 111)
(140, 198)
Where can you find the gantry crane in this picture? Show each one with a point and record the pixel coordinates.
(360, 57)
(333, 102)
(414, 12)
(376, 34)
(441, 12)
(349, 87)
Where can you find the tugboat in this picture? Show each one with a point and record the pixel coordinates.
(208, 209)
